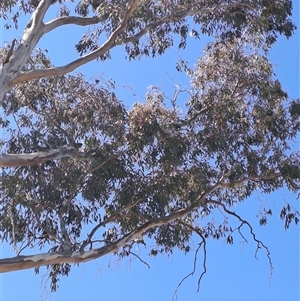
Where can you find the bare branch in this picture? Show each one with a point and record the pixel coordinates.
(23, 247)
(28, 159)
(258, 242)
(190, 274)
(140, 259)
(204, 261)
(203, 242)
(39, 14)
(67, 20)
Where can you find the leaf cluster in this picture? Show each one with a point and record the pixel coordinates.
(164, 21)
(151, 164)
(151, 161)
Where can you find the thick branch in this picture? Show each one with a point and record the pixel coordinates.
(31, 36)
(127, 208)
(109, 44)
(32, 261)
(28, 262)
(14, 160)
(67, 20)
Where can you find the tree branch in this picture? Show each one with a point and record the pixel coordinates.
(181, 15)
(140, 259)
(10, 52)
(24, 159)
(111, 218)
(31, 36)
(251, 178)
(244, 222)
(67, 20)
(170, 18)
(33, 261)
(109, 44)
(203, 241)
(87, 241)
(52, 236)
(64, 235)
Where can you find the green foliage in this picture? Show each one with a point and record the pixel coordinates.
(289, 214)
(167, 19)
(152, 161)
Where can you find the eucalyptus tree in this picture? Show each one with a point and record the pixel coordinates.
(75, 158)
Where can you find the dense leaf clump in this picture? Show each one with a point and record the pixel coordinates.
(151, 161)
(157, 170)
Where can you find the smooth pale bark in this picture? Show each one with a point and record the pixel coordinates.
(105, 47)
(32, 261)
(31, 36)
(11, 72)
(14, 160)
(70, 20)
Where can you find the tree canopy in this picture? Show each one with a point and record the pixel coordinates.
(76, 158)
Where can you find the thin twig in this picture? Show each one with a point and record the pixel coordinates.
(203, 242)
(258, 242)
(140, 259)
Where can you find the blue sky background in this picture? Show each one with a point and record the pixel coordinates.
(232, 271)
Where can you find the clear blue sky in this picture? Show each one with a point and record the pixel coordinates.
(232, 271)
